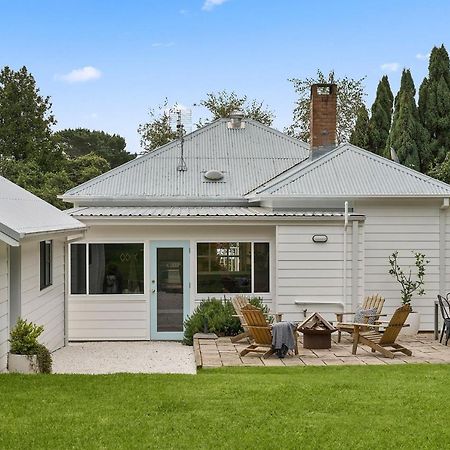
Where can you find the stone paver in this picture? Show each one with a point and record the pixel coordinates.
(222, 352)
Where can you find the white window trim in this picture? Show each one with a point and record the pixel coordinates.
(231, 294)
(106, 296)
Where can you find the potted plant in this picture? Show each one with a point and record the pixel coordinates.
(26, 354)
(410, 286)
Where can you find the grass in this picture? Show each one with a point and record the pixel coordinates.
(245, 408)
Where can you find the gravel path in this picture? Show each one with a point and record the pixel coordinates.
(131, 357)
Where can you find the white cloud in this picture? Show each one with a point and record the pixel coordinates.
(208, 5)
(163, 44)
(82, 75)
(423, 56)
(390, 67)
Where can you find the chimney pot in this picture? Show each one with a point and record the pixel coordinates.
(323, 116)
(236, 119)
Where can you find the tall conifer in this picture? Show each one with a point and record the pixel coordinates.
(360, 134)
(434, 103)
(407, 136)
(380, 119)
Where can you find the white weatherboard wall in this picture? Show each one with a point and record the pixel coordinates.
(4, 305)
(313, 273)
(406, 226)
(44, 307)
(121, 317)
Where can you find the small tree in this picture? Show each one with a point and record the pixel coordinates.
(360, 135)
(409, 286)
(350, 95)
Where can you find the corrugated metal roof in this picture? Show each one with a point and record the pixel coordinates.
(22, 213)
(192, 211)
(353, 172)
(247, 157)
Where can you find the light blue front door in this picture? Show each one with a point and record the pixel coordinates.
(169, 289)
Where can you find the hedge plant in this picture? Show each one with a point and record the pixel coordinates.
(216, 316)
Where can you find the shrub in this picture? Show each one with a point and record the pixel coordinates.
(44, 359)
(216, 316)
(24, 341)
(23, 337)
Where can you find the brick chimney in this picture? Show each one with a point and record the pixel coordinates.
(323, 117)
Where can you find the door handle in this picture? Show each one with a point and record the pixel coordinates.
(153, 291)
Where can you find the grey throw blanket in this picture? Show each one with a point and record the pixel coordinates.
(283, 333)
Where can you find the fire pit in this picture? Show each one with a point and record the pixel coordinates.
(316, 332)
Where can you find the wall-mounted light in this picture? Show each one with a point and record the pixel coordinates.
(320, 238)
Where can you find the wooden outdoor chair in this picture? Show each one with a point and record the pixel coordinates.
(260, 332)
(372, 301)
(383, 342)
(238, 302)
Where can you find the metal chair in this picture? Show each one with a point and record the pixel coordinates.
(444, 305)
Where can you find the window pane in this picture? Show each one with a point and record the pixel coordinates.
(78, 269)
(224, 267)
(45, 264)
(262, 263)
(116, 268)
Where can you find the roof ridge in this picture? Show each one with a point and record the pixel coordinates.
(340, 150)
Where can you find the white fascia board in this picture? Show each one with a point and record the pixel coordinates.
(9, 240)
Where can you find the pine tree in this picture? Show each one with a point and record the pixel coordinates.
(407, 136)
(25, 119)
(381, 117)
(434, 103)
(360, 134)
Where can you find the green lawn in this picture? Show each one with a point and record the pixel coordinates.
(301, 407)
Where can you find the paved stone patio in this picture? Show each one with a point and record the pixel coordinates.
(210, 353)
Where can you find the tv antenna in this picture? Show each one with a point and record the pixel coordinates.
(180, 129)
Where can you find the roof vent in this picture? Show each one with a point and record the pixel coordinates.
(213, 175)
(236, 121)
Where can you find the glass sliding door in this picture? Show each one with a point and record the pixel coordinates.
(169, 288)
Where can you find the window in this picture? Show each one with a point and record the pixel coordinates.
(45, 264)
(261, 263)
(78, 268)
(111, 269)
(227, 267)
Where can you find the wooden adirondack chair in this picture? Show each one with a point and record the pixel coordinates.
(238, 302)
(372, 301)
(383, 342)
(259, 330)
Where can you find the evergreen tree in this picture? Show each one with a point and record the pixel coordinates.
(434, 103)
(381, 117)
(360, 134)
(407, 136)
(25, 120)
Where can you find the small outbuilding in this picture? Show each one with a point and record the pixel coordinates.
(33, 241)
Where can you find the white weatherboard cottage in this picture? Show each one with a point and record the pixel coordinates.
(239, 207)
(33, 236)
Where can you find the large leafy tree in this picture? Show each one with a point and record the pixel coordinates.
(350, 95)
(381, 117)
(434, 103)
(157, 131)
(49, 184)
(360, 134)
(25, 119)
(408, 137)
(81, 141)
(223, 103)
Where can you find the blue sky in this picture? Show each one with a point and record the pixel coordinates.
(105, 63)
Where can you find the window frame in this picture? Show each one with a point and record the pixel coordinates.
(46, 270)
(104, 295)
(252, 271)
